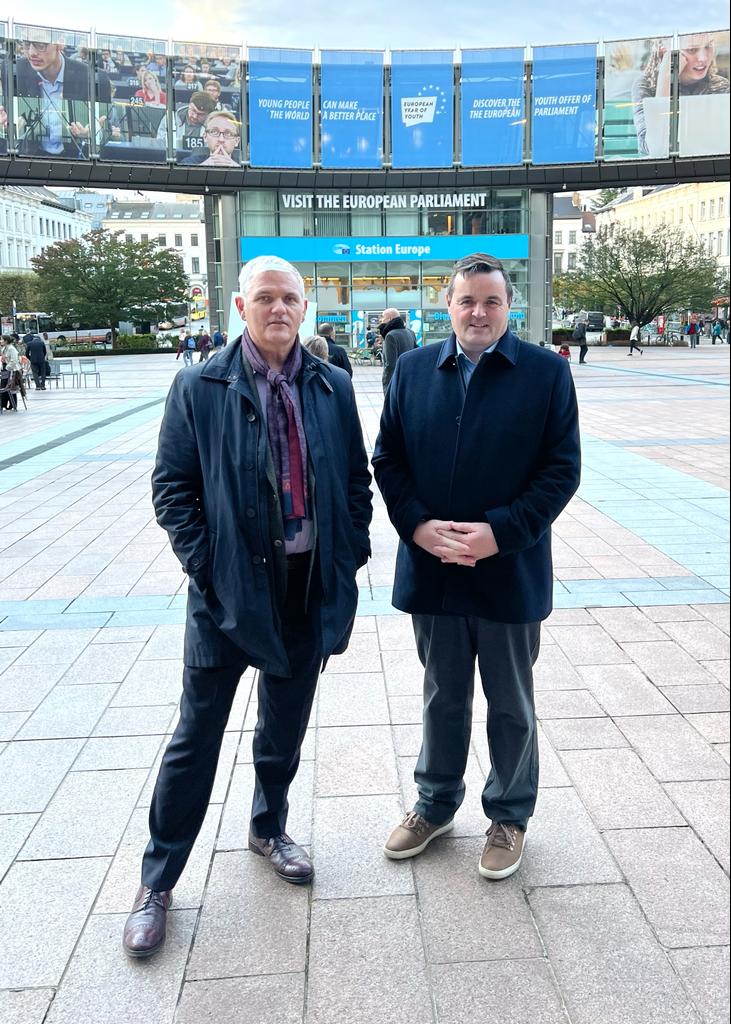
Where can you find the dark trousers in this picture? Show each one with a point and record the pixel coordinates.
(583, 349)
(448, 646)
(634, 345)
(39, 374)
(188, 769)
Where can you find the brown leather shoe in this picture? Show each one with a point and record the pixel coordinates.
(144, 931)
(289, 861)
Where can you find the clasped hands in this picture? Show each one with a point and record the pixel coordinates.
(456, 543)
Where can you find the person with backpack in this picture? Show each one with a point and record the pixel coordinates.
(186, 347)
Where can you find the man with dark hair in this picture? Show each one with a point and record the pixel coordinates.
(477, 455)
(190, 118)
(397, 339)
(54, 93)
(336, 353)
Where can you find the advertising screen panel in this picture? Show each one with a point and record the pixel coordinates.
(4, 105)
(493, 117)
(564, 104)
(422, 108)
(637, 84)
(132, 125)
(53, 78)
(280, 107)
(207, 104)
(351, 108)
(703, 94)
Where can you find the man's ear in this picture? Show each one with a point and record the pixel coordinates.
(239, 303)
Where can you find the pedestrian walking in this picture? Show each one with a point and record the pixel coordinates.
(478, 453)
(579, 336)
(397, 339)
(634, 339)
(35, 350)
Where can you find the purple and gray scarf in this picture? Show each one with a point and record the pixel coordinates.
(286, 431)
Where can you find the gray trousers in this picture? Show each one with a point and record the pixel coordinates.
(448, 646)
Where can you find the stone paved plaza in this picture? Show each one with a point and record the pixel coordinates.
(618, 914)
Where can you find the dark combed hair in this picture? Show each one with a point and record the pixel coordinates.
(479, 263)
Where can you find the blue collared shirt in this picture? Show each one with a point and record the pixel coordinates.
(52, 113)
(465, 364)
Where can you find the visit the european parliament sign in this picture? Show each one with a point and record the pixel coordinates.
(422, 101)
(564, 104)
(280, 107)
(351, 109)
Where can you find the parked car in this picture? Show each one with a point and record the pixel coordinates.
(594, 319)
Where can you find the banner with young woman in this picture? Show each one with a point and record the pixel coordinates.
(132, 125)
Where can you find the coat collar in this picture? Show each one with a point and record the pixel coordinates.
(228, 366)
(507, 347)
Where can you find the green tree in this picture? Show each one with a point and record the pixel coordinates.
(641, 275)
(101, 279)
(604, 197)
(572, 291)
(20, 287)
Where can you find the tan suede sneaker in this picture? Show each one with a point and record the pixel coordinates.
(412, 836)
(503, 850)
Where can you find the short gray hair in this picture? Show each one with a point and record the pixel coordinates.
(317, 346)
(479, 263)
(261, 263)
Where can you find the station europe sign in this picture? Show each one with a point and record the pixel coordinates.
(446, 248)
(395, 201)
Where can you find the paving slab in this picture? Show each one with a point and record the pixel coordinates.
(672, 749)
(705, 805)
(608, 964)
(624, 690)
(354, 761)
(705, 974)
(273, 999)
(26, 1006)
(31, 772)
(527, 987)
(353, 978)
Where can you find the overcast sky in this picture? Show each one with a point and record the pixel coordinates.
(378, 24)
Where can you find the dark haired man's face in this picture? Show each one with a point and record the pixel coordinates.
(479, 309)
(195, 115)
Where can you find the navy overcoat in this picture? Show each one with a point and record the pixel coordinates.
(504, 451)
(214, 491)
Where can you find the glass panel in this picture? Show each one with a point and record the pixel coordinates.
(297, 225)
(369, 285)
(435, 278)
(442, 223)
(333, 286)
(332, 225)
(52, 113)
(405, 224)
(365, 224)
(207, 82)
(131, 99)
(307, 270)
(403, 289)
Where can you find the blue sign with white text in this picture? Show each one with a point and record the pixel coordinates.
(564, 104)
(280, 108)
(351, 109)
(422, 101)
(493, 120)
(385, 249)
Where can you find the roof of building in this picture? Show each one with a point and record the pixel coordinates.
(154, 211)
(564, 209)
(41, 195)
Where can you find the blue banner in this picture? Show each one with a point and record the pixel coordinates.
(493, 117)
(564, 104)
(422, 101)
(280, 108)
(385, 249)
(351, 109)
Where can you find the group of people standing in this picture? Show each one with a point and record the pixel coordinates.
(478, 453)
(202, 344)
(19, 359)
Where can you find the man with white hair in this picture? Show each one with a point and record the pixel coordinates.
(262, 483)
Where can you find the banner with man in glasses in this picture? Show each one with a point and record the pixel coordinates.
(133, 127)
(221, 138)
(53, 92)
(207, 81)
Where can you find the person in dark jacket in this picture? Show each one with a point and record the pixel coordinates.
(579, 336)
(35, 349)
(262, 483)
(336, 353)
(477, 455)
(397, 339)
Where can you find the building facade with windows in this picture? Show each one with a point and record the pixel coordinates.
(361, 252)
(32, 218)
(699, 209)
(175, 225)
(572, 225)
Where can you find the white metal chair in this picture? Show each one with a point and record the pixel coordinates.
(87, 368)
(61, 369)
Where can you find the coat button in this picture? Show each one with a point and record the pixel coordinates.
(256, 560)
(251, 512)
(251, 417)
(458, 419)
(277, 543)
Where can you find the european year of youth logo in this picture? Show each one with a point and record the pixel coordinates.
(430, 102)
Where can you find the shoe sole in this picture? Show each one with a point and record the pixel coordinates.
(416, 850)
(303, 880)
(506, 872)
